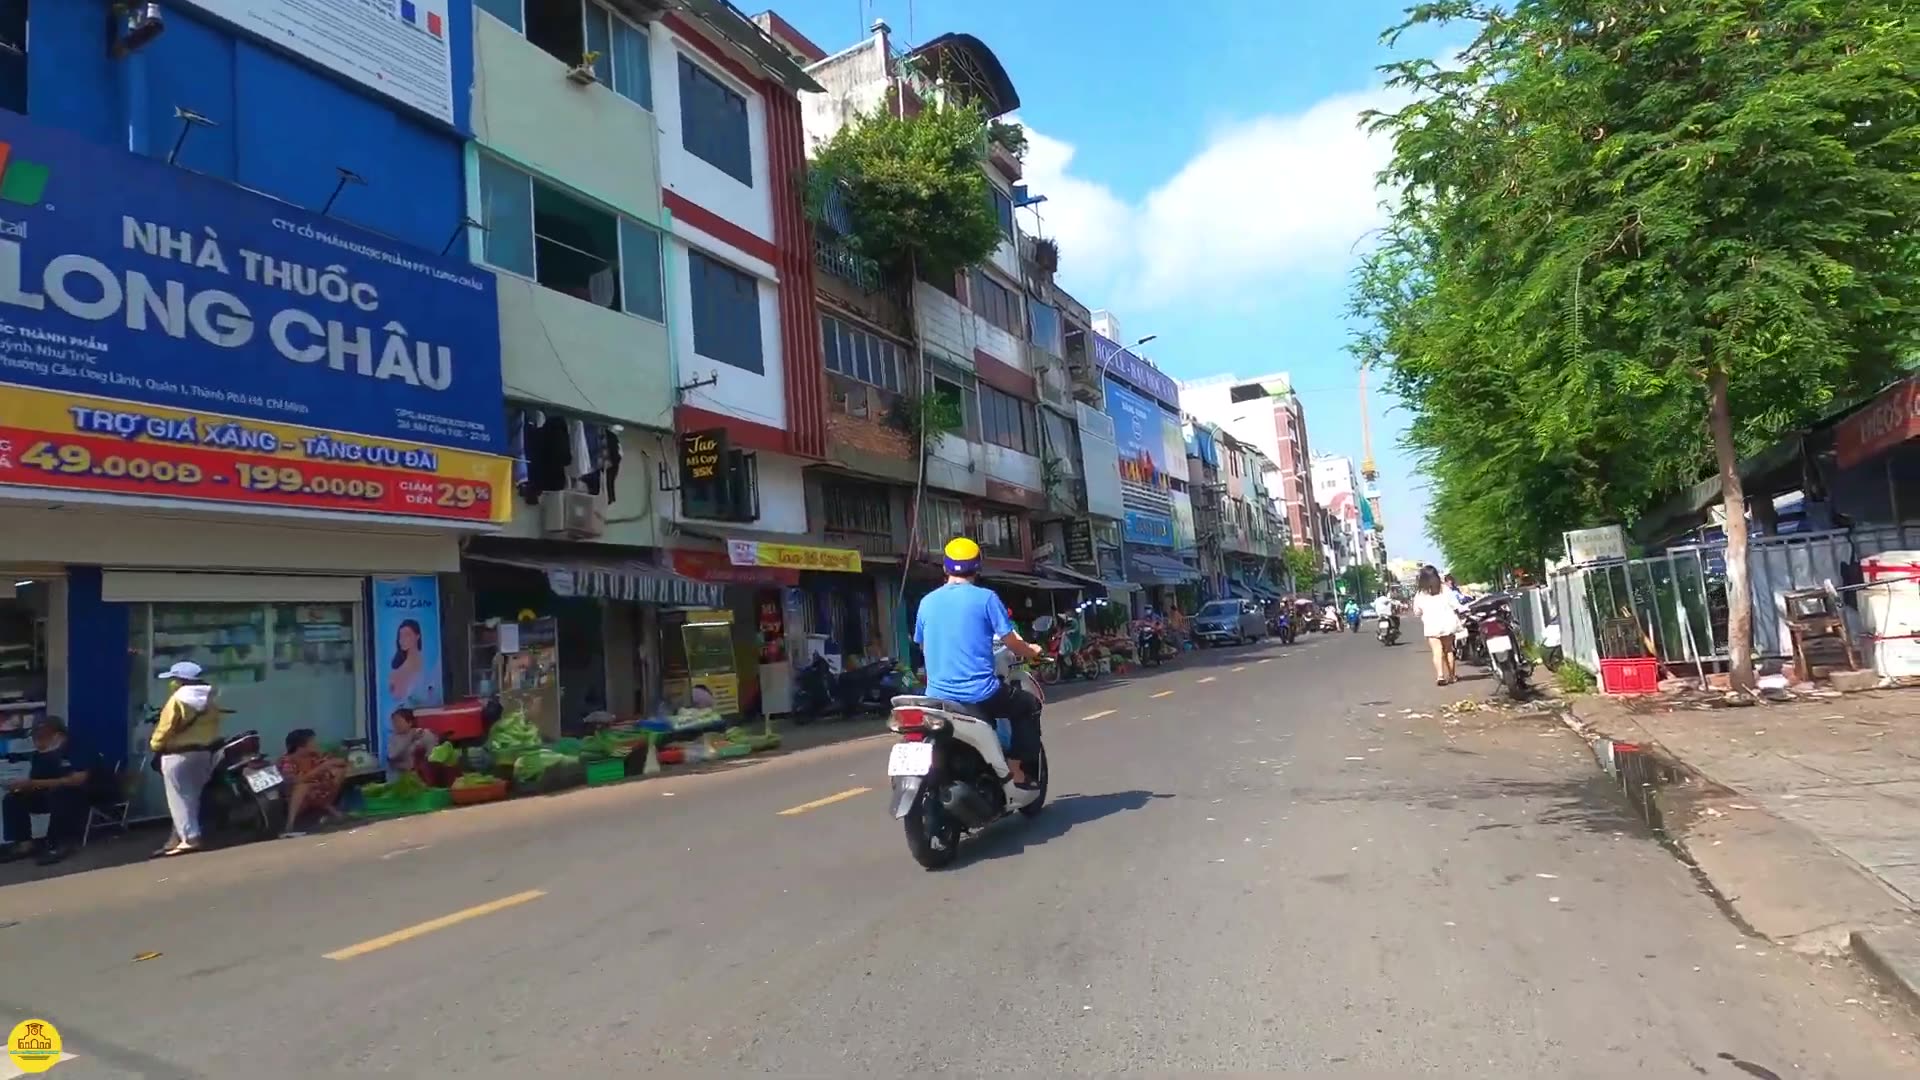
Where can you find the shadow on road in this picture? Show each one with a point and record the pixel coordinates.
(1587, 803)
(1012, 838)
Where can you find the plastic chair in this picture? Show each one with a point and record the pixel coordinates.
(115, 810)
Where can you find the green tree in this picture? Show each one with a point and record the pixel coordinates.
(916, 195)
(1303, 567)
(1633, 241)
(1360, 581)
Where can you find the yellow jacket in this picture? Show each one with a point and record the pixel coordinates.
(188, 719)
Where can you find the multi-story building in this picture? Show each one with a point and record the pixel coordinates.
(1208, 491)
(253, 379)
(1337, 487)
(1149, 433)
(1030, 473)
(627, 185)
(1266, 413)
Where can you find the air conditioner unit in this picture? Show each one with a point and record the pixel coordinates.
(572, 515)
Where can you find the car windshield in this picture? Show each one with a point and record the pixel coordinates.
(1220, 609)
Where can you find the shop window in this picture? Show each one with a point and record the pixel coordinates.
(1008, 421)
(1003, 212)
(861, 354)
(942, 520)
(961, 388)
(1044, 321)
(726, 313)
(995, 303)
(13, 55)
(735, 498)
(277, 667)
(1001, 534)
(24, 670)
(713, 122)
(534, 229)
(851, 507)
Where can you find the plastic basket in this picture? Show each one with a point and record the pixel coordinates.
(733, 750)
(479, 793)
(1636, 676)
(606, 772)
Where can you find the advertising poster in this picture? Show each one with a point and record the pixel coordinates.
(407, 665)
(1137, 436)
(396, 48)
(165, 334)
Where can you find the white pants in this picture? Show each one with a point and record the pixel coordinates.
(185, 776)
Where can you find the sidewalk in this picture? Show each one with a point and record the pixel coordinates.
(1803, 815)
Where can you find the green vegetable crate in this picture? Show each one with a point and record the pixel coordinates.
(606, 772)
(400, 806)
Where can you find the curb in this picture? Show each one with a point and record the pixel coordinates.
(1894, 956)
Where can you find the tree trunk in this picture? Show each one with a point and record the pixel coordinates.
(1739, 594)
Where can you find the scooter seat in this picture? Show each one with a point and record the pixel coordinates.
(960, 708)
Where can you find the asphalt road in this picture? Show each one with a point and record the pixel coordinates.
(1270, 860)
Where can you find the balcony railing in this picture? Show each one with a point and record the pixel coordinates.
(836, 259)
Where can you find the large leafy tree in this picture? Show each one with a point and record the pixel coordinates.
(1634, 240)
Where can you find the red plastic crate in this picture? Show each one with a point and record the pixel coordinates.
(1640, 675)
(457, 722)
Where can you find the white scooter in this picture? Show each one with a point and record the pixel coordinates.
(949, 769)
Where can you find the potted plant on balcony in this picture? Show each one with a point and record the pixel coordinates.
(1046, 254)
(582, 72)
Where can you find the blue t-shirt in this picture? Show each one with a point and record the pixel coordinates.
(957, 627)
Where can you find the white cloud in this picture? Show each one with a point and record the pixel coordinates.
(1268, 198)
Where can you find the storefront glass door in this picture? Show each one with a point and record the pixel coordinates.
(277, 667)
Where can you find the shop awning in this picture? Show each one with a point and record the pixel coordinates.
(1026, 581)
(1159, 569)
(1072, 576)
(617, 579)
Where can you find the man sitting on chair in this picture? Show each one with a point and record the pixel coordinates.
(56, 785)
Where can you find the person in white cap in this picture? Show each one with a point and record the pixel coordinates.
(184, 739)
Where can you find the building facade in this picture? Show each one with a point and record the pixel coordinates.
(1267, 414)
(252, 384)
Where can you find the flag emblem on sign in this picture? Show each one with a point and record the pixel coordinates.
(434, 23)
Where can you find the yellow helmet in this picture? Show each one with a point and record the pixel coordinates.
(962, 556)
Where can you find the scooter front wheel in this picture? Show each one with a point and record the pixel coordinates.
(1032, 809)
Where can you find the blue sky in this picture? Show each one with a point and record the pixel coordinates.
(1205, 179)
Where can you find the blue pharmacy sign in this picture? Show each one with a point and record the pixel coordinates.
(123, 277)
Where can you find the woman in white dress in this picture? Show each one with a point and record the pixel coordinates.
(1439, 616)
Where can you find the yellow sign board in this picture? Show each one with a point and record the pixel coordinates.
(793, 556)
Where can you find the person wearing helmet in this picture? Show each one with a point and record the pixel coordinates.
(957, 627)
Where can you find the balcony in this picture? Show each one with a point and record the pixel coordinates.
(835, 258)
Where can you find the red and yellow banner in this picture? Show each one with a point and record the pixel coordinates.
(69, 442)
(793, 556)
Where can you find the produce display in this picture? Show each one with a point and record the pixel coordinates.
(444, 753)
(473, 780)
(512, 734)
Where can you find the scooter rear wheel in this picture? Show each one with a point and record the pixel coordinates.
(921, 822)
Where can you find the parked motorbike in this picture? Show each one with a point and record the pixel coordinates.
(1388, 630)
(1150, 645)
(819, 693)
(1501, 644)
(1331, 624)
(1550, 649)
(246, 797)
(1282, 626)
(949, 769)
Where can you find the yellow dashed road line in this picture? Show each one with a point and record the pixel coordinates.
(828, 801)
(1209, 678)
(1098, 715)
(428, 927)
(1161, 694)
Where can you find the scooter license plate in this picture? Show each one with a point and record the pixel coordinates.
(910, 759)
(1500, 644)
(265, 779)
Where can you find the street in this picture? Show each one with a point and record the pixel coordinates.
(1269, 860)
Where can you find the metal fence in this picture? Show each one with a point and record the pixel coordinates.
(1674, 605)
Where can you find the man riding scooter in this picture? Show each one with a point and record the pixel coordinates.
(1353, 615)
(957, 627)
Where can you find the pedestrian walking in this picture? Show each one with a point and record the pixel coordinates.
(184, 741)
(1439, 616)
